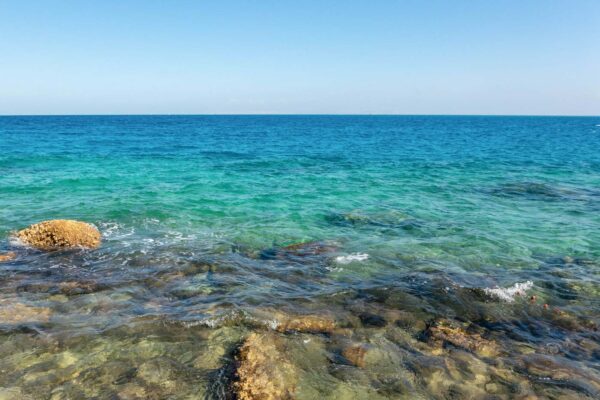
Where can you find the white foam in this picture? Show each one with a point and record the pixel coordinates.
(351, 258)
(115, 231)
(508, 294)
(14, 241)
(273, 324)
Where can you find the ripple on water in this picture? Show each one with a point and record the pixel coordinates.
(230, 235)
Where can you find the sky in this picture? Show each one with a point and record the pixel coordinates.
(525, 57)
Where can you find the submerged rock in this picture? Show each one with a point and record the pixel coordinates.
(543, 191)
(306, 249)
(527, 189)
(263, 371)
(284, 322)
(372, 320)
(568, 321)
(7, 256)
(446, 331)
(307, 323)
(390, 219)
(355, 354)
(559, 369)
(70, 288)
(17, 313)
(60, 233)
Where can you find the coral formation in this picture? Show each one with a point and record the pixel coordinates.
(59, 233)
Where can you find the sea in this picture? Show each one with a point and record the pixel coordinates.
(379, 257)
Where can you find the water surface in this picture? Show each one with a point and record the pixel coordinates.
(418, 229)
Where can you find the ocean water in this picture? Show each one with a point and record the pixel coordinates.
(427, 240)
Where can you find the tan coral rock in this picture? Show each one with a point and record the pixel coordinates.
(263, 371)
(60, 233)
(7, 256)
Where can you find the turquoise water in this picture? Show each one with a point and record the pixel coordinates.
(411, 214)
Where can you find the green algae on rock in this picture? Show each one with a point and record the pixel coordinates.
(60, 233)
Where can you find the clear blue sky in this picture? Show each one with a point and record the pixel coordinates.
(278, 56)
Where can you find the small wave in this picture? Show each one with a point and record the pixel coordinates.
(115, 230)
(14, 241)
(508, 294)
(351, 258)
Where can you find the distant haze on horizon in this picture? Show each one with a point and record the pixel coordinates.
(309, 57)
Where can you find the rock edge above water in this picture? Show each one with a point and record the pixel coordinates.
(60, 234)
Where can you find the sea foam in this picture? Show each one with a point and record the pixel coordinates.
(351, 258)
(508, 294)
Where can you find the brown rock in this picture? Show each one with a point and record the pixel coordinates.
(355, 354)
(60, 233)
(284, 322)
(263, 371)
(446, 331)
(306, 323)
(7, 256)
(75, 287)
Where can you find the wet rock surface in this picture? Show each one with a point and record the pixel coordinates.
(263, 371)
(444, 332)
(294, 322)
(60, 234)
(372, 320)
(355, 354)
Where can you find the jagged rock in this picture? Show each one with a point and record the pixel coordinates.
(7, 256)
(263, 371)
(60, 233)
(446, 331)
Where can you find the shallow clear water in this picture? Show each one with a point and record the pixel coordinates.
(418, 222)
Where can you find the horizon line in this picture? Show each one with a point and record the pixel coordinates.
(293, 114)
